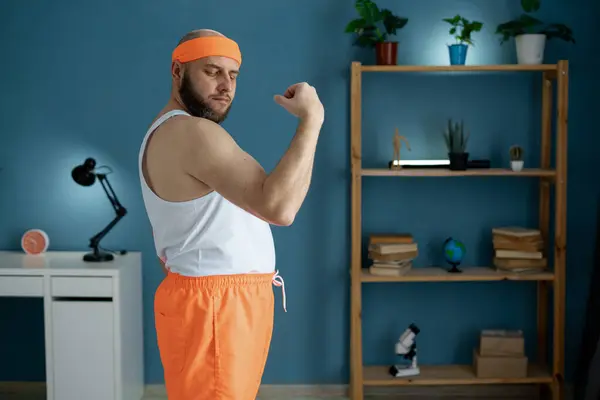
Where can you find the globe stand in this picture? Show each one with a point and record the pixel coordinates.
(454, 269)
(451, 256)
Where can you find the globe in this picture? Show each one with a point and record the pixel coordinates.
(454, 252)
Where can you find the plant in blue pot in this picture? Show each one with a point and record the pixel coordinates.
(461, 29)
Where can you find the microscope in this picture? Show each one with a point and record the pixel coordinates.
(407, 348)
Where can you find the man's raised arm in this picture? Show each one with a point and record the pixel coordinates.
(214, 158)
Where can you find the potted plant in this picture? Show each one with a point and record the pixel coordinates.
(461, 28)
(516, 158)
(456, 142)
(531, 34)
(373, 30)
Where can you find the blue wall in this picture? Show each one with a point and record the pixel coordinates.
(85, 78)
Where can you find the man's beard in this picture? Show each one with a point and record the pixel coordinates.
(196, 106)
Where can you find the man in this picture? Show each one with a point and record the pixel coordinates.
(210, 205)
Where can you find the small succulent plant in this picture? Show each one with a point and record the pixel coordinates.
(516, 153)
(456, 139)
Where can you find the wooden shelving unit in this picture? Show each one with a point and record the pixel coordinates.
(552, 68)
(448, 375)
(530, 172)
(469, 274)
(548, 370)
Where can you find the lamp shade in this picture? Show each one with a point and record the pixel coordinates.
(83, 174)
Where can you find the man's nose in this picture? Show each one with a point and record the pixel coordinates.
(226, 84)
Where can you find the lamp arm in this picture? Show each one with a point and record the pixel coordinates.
(110, 193)
(119, 209)
(95, 240)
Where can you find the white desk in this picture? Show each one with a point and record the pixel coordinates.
(92, 319)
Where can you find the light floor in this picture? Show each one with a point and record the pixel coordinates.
(32, 397)
(37, 397)
(387, 397)
(10, 395)
(37, 392)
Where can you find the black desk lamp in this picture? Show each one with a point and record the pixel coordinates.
(86, 175)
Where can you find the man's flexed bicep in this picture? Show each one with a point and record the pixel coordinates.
(214, 158)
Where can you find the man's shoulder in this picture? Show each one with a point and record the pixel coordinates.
(202, 131)
(187, 126)
(193, 139)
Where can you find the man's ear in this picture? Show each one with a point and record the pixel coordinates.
(177, 71)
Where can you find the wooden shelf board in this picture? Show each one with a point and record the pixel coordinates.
(449, 375)
(460, 68)
(443, 172)
(469, 274)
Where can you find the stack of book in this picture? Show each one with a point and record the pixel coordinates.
(392, 254)
(518, 249)
(501, 355)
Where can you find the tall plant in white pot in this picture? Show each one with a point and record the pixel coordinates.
(531, 34)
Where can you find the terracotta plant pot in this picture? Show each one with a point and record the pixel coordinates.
(387, 53)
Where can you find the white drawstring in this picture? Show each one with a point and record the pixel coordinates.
(278, 281)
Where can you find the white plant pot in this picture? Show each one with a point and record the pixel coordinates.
(530, 48)
(516, 165)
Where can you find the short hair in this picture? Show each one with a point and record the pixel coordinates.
(199, 33)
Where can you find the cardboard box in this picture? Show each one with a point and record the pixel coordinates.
(501, 343)
(499, 366)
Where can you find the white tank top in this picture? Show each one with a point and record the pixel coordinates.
(208, 235)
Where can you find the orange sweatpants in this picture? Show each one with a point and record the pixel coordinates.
(214, 334)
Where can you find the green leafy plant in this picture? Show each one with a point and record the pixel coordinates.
(456, 139)
(516, 153)
(462, 28)
(374, 25)
(527, 24)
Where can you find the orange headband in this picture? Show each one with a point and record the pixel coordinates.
(207, 46)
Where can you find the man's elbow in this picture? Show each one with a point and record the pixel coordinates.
(281, 216)
(274, 215)
(284, 219)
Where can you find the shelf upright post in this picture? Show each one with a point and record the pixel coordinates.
(356, 364)
(544, 216)
(560, 233)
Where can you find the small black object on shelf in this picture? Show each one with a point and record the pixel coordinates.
(471, 164)
(86, 175)
(458, 161)
(454, 269)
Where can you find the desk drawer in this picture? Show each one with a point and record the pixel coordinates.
(24, 286)
(71, 286)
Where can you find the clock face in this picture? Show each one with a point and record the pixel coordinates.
(34, 241)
